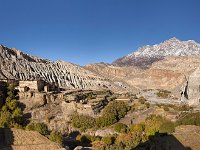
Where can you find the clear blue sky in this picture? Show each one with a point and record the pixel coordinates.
(89, 31)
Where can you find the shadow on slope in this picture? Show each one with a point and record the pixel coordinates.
(162, 141)
(6, 139)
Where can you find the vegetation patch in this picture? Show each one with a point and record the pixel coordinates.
(10, 112)
(39, 127)
(163, 93)
(112, 113)
(120, 128)
(142, 100)
(83, 122)
(189, 119)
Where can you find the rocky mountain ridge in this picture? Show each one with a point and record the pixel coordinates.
(15, 64)
(147, 55)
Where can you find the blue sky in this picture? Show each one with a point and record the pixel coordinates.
(89, 31)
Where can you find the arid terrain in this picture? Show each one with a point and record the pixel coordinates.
(148, 99)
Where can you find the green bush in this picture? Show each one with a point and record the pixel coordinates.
(120, 128)
(56, 137)
(112, 113)
(152, 125)
(128, 141)
(108, 140)
(189, 119)
(167, 127)
(147, 105)
(166, 108)
(5, 119)
(39, 127)
(141, 99)
(10, 114)
(163, 93)
(105, 120)
(138, 128)
(83, 122)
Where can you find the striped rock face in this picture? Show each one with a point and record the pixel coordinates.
(15, 64)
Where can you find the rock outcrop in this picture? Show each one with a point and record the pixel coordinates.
(191, 89)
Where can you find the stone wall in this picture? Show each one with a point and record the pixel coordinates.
(36, 85)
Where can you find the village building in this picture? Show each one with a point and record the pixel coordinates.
(34, 85)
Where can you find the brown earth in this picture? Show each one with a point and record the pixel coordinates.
(18, 139)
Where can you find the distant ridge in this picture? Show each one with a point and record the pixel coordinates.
(147, 55)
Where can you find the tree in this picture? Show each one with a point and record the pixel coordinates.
(120, 128)
(39, 127)
(112, 113)
(167, 127)
(56, 137)
(5, 119)
(108, 140)
(128, 140)
(138, 128)
(83, 122)
(11, 114)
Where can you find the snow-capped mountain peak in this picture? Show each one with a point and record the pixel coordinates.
(146, 55)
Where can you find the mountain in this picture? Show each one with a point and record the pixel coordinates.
(147, 55)
(15, 64)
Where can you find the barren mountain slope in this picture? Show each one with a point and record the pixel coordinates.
(17, 65)
(152, 78)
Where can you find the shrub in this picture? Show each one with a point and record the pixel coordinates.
(163, 93)
(10, 114)
(106, 120)
(166, 108)
(17, 115)
(147, 105)
(83, 122)
(117, 108)
(142, 100)
(184, 108)
(30, 126)
(120, 127)
(138, 128)
(5, 119)
(112, 113)
(128, 141)
(108, 140)
(167, 127)
(189, 119)
(56, 137)
(152, 125)
(39, 127)
(132, 108)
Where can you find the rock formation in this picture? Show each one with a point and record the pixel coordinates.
(164, 66)
(15, 64)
